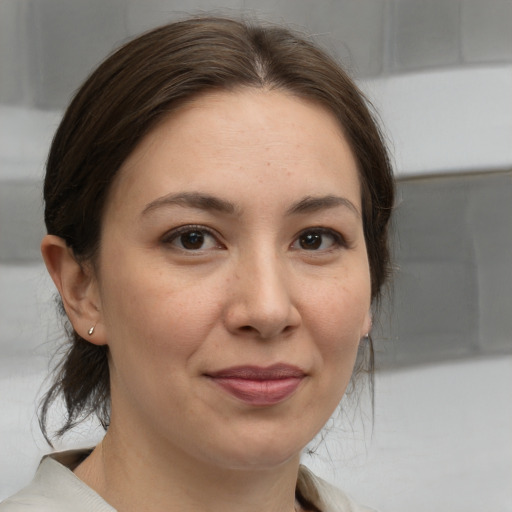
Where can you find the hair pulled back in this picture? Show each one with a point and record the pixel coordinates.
(138, 86)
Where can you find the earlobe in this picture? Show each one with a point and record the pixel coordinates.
(77, 287)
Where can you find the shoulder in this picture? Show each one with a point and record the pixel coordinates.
(26, 501)
(55, 488)
(334, 499)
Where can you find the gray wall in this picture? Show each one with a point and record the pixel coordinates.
(442, 431)
(451, 296)
(47, 47)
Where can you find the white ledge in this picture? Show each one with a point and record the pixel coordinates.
(446, 121)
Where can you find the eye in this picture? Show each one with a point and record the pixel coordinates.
(318, 239)
(192, 238)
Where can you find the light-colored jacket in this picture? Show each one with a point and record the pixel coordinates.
(55, 488)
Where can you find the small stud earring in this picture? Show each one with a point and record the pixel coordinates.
(91, 330)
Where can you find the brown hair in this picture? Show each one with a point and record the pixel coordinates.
(139, 85)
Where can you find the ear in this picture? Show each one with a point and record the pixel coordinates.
(77, 286)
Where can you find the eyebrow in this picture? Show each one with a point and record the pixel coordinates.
(193, 200)
(208, 202)
(313, 204)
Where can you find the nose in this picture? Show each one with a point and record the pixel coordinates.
(261, 300)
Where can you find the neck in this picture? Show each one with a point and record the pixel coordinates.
(139, 477)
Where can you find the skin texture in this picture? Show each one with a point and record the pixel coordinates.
(174, 308)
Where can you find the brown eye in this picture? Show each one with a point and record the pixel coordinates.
(318, 239)
(191, 238)
(310, 241)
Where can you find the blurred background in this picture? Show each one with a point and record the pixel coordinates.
(440, 74)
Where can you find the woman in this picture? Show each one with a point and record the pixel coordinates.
(217, 199)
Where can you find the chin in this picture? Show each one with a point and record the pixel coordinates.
(261, 452)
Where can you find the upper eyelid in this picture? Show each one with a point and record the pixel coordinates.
(189, 227)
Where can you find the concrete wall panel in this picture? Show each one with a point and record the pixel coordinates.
(486, 30)
(424, 33)
(67, 39)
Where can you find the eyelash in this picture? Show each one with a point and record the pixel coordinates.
(338, 240)
(175, 234)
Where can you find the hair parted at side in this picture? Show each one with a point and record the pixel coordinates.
(142, 83)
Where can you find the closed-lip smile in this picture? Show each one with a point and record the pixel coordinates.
(259, 386)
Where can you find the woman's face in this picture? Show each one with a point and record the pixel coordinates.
(233, 280)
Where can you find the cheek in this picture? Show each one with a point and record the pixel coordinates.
(339, 312)
(153, 314)
(152, 338)
(335, 320)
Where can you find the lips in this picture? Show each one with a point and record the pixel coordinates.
(259, 386)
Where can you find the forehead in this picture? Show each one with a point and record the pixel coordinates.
(218, 139)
